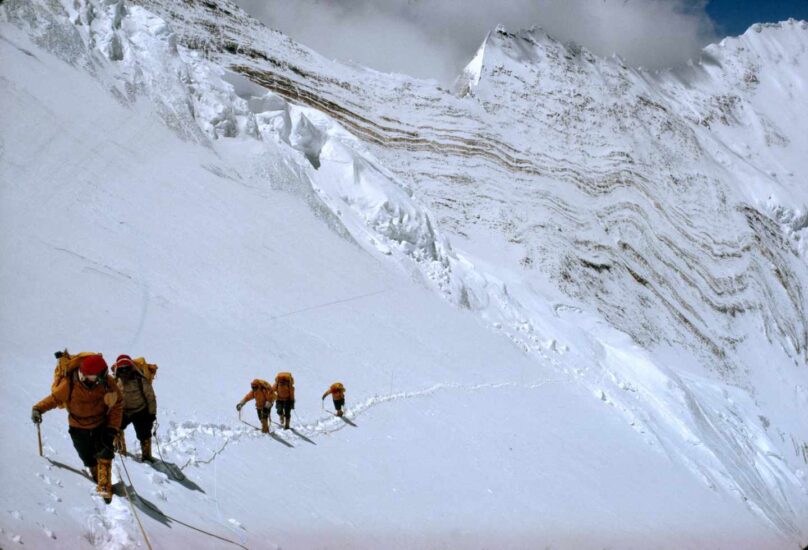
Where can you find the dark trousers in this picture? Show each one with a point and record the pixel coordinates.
(263, 413)
(339, 403)
(92, 444)
(143, 421)
(285, 407)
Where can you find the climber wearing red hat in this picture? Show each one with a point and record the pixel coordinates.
(139, 401)
(94, 409)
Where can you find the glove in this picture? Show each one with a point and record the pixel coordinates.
(238, 407)
(267, 405)
(36, 416)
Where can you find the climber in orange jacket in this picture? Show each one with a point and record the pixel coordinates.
(285, 389)
(337, 391)
(94, 406)
(264, 395)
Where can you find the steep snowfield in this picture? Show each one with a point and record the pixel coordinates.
(582, 196)
(157, 200)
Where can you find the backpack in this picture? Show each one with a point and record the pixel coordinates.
(284, 379)
(66, 365)
(263, 384)
(285, 386)
(148, 370)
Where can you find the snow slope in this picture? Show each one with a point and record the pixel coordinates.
(157, 202)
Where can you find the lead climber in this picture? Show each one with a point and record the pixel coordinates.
(337, 391)
(94, 406)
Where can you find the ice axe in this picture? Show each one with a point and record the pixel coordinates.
(39, 438)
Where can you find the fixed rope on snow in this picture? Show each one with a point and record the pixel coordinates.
(157, 441)
(150, 506)
(160, 452)
(329, 304)
(131, 504)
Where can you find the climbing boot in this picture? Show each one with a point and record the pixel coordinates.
(145, 450)
(94, 473)
(339, 412)
(285, 422)
(120, 443)
(265, 425)
(105, 479)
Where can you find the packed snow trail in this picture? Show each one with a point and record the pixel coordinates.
(187, 431)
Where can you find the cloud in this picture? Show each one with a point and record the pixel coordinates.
(436, 38)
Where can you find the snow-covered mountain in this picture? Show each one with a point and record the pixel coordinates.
(567, 297)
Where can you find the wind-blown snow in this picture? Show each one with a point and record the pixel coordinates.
(182, 183)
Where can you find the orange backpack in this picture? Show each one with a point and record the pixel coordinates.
(285, 385)
(263, 384)
(148, 370)
(66, 365)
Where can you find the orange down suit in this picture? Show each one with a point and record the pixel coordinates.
(263, 396)
(337, 390)
(87, 408)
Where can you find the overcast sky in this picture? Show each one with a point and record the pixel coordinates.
(436, 38)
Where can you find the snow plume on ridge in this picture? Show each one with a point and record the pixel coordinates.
(435, 39)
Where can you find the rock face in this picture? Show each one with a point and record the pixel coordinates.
(644, 232)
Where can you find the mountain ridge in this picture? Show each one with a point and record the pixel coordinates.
(610, 223)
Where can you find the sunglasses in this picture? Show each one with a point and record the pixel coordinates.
(89, 378)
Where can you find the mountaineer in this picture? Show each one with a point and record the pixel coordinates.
(285, 390)
(82, 385)
(337, 391)
(264, 396)
(139, 401)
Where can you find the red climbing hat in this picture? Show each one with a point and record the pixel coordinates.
(93, 365)
(124, 361)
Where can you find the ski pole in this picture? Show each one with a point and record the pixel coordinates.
(39, 439)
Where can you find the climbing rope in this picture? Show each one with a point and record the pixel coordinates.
(131, 504)
(329, 304)
(159, 452)
(157, 511)
(157, 440)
